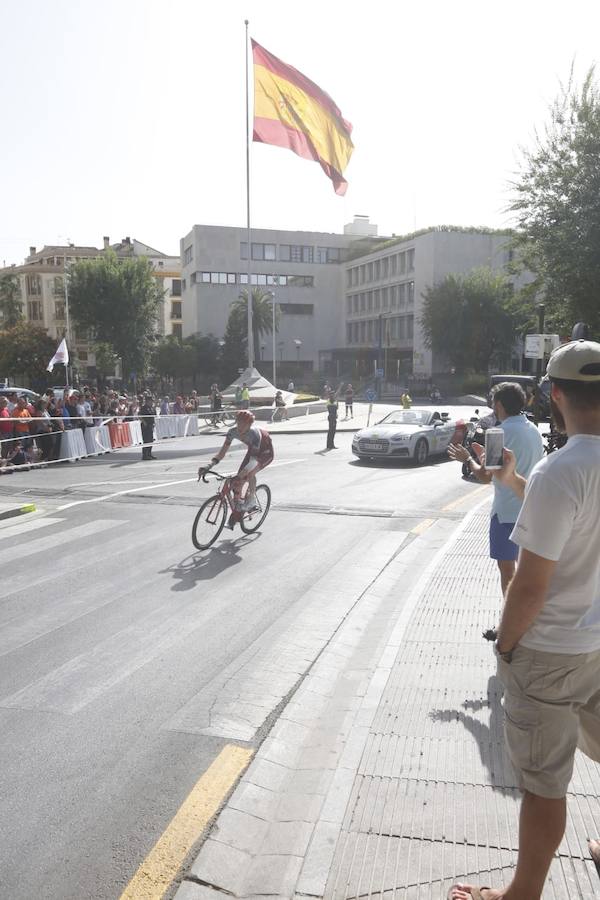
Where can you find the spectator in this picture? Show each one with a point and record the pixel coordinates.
(21, 427)
(178, 407)
(12, 402)
(165, 407)
(522, 437)
(291, 387)
(349, 399)
(7, 428)
(194, 401)
(16, 457)
(238, 396)
(332, 412)
(245, 396)
(216, 398)
(280, 408)
(406, 400)
(548, 645)
(41, 427)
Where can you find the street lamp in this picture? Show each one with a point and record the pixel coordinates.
(298, 344)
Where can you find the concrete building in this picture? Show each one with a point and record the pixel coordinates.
(383, 297)
(350, 303)
(42, 280)
(303, 270)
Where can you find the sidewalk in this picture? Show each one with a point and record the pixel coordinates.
(385, 774)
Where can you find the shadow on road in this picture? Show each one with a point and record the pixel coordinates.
(207, 564)
(398, 463)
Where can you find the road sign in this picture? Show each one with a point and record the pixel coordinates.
(534, 346)
(378, 373)
(371, 395)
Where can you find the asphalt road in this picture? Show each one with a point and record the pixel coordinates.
(116, 638)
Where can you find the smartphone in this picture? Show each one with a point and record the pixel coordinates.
(494, 448)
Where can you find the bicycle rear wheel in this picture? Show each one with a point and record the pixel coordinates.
(251, 521)
(229, 418)
(209, 522)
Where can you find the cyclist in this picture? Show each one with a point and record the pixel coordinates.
(258, 455)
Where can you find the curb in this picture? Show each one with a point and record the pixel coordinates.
(18, 511)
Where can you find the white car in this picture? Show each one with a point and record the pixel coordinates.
(410, 433)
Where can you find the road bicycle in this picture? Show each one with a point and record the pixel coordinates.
(220, 416)
(210, 518)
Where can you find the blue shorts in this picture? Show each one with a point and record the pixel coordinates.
(501, 546)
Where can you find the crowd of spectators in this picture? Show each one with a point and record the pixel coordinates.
(30, 431)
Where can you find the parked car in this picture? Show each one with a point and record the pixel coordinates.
(409, 433)
(536, 392)
(30, 396)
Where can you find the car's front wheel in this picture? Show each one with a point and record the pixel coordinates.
(421, 452)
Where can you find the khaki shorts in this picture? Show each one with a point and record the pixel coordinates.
(551, 707)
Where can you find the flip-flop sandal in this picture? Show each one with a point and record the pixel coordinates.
(475, 892)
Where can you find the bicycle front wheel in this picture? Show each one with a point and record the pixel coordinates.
(251, 521)
(209, 522)
(229, 418)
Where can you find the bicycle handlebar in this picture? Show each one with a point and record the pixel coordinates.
(217, 475)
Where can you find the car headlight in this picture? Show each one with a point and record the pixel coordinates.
(400, 437)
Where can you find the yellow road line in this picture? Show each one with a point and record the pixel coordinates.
(156, 873)
(455, 503)
(422, 526)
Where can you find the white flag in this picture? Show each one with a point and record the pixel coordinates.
(61, 356)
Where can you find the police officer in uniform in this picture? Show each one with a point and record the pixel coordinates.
(148, 411)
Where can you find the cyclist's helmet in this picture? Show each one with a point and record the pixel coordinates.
(244, 415)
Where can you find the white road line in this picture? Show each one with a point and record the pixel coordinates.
(8, 531)
(149, 487)
(54, 540)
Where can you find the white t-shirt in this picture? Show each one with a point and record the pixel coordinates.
(560, 520)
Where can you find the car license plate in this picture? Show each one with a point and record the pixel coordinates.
(374, 445)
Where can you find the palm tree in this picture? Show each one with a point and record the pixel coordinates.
(262, 314)
(11, 307)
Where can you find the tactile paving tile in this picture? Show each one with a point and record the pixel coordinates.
(435, 800)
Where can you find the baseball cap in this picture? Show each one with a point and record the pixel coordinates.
(575, 361)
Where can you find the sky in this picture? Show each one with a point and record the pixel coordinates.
(128, 119)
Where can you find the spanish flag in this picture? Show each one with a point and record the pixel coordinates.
(292, 111)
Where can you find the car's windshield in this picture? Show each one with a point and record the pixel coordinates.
(407, 417)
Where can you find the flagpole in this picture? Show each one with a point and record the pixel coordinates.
(68, 319)
(249, 237)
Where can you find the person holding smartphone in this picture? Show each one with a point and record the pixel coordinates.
(523, 438)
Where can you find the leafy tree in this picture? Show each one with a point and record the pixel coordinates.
(25, 351)
(465, 317)
(11, 307)
(106, 359)
(557, 206)
(118, 300)
(262, 315)
(196, 357)
(234, 353)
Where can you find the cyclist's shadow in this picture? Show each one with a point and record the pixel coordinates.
(202, 565)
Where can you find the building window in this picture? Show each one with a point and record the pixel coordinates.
(349, 278)
(410, 260)
(402, 263)
(370, 301)
(296, 253)
(83, 355)
(183, 283)
(385, 298)
(349, 333)
(349, 305)
(206, 278)
(410, 323)
(188, 255)
(384, 267)
(363, 302)
(362, 274)
(176, 287)
(177, 330)
(300, 280)
(377, 299)
(363, 332)
(59, 310)
(33, 285)
(401, 294)
(393, 260)
(411, 293)
(58, 286)
(370, 330)
(36, 313)
(297, 309)
(176, 309)
(370, 271)
(377, 270)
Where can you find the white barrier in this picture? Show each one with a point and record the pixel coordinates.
(72, 444)
(97, 439)
(135, 429)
